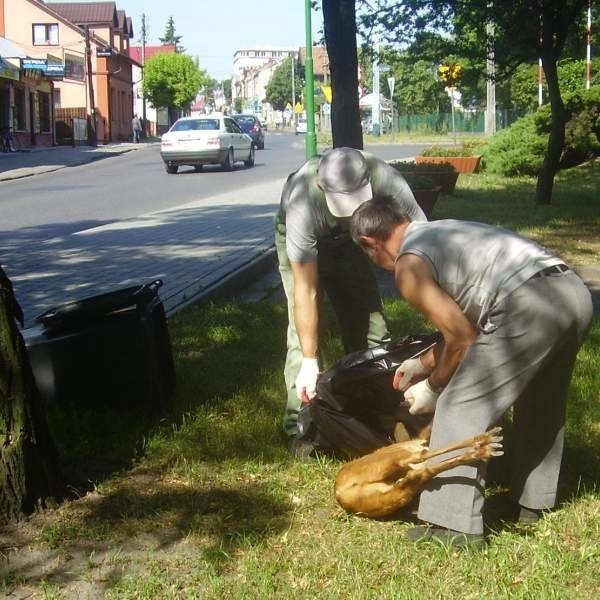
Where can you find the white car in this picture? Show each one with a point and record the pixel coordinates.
(301, 126)
(205, 140)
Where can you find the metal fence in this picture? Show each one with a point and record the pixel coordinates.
(464, 122)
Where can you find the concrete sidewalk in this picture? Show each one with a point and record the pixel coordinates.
(38, 160)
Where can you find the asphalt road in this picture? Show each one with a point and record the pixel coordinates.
(136, 183)
(120, 221)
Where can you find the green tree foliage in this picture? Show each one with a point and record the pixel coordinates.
(279, 89)
(519, 149)
(522, 32)
(170, 38)
(172, 80)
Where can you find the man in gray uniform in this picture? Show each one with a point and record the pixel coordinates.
(316, 253)
(513, 318)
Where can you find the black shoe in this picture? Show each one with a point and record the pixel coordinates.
(529, 516)
(302, 450)
(458, 539)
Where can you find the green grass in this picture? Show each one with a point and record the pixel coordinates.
(205, 502)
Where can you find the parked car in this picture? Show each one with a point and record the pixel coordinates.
(211, 139)
(301, 126)
(251, 125)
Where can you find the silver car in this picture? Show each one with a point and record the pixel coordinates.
(205, 140)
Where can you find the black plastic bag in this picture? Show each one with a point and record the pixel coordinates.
(356, 408)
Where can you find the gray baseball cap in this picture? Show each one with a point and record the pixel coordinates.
(344, 177)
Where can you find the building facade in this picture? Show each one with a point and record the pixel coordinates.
(252, 70)
(90, 41)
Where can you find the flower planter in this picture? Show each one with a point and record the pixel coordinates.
(426, 199)
(445, 179)
(463, 164)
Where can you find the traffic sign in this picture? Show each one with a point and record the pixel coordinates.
(391, 82)
(384, 68)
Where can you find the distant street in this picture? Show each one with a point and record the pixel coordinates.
(91, 228)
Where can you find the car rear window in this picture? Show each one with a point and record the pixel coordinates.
(244, 120)
(195, 124)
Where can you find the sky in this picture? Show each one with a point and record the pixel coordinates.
(213, 30)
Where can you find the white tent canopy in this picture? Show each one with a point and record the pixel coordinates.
(368, 100)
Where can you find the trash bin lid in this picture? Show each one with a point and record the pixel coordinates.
(87, 310)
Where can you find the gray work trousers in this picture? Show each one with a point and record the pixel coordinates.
(526, 363)
(347, 277)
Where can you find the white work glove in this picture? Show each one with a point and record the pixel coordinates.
(306, 382)
(407, 371)
(421, 397)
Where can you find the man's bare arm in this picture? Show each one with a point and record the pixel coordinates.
(306, 309)
(417, 286)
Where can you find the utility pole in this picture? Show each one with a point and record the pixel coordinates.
(293, 89)
(375, 109)
(311, 138)
(93, 140)
(144, 132)
(490, 106)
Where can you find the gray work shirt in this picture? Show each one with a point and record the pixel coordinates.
(476, 264)
(303, 209)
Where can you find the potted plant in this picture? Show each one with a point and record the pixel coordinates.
(443, 173)
(425, 191)
(463, 158)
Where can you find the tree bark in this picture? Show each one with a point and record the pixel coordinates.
(556, 139)
(339, 19)
(30, 477)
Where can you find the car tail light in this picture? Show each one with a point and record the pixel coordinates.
(213, 141)
(255, 127)
(166, 143)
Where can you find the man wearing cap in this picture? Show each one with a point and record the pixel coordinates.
(316, 253)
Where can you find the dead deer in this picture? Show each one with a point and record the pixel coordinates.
(380, 483)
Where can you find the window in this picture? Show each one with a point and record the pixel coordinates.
(20, 109)
(45, 34)
(74, 68)
(44, 108)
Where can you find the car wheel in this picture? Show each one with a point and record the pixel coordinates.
(229, 160)
(197, 168)
(171, 169)
(251, 157)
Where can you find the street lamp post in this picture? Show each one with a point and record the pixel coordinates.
(309, 87)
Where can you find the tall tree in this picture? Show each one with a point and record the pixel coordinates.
(172, 80)
(279, 89)
(170, 38)
(339, 20)
(30, 477)
(523, 31)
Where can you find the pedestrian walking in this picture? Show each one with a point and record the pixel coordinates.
(136, 126)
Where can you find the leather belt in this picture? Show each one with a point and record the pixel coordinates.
(553, 270)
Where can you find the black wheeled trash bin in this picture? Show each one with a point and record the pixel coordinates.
(107, 351)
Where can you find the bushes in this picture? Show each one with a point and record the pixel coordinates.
(519, 149)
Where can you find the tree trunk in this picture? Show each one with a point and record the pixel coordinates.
(556, 140)
(30, 477)
(339, 18)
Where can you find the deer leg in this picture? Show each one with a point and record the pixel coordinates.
(422, 473)
(489, 437)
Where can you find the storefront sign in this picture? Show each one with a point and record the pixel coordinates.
(54, 70)
(8, 71)
(104, 52)
(34, 64)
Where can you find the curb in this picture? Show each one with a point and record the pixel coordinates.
(41, 169)
(233, 283)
